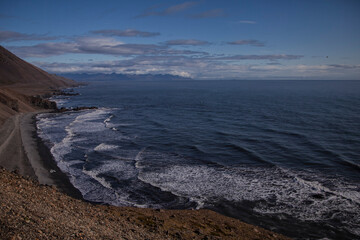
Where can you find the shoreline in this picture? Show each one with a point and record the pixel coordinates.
(59, 178)
(23, 152)
(31, 208)
(29, 156)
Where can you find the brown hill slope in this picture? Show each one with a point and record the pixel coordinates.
(20, 81)
(14, 70)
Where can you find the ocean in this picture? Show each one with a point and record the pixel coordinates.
(284, 155)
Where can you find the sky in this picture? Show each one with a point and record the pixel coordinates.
(205, 39)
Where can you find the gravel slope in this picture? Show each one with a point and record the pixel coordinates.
(29, 210)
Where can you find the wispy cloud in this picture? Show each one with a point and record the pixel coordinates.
(261, 57)
(153, 11)
(210, 14)
(96, 45)
(273, 63)
(191, 42)
(330, 71)
(114, 47)
(10, 36)
(125, 33)
(344, 66)
(246, 22)
(177, 65)
(203, 68)
(248, 42)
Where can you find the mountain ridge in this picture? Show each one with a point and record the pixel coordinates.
(22, 84)
(14, 70)
(122, 77)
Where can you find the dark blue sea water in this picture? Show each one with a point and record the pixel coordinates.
(284, 155)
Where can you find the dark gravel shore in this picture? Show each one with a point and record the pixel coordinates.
(29, 210)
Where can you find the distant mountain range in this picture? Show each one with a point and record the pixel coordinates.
(114, 76)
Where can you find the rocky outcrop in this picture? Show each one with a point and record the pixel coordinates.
(42, 103)
(22, 83)
(75, 109)
(65, 93)
(9, 102)
(13, 102)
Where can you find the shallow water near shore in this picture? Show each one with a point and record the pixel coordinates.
(284, 155)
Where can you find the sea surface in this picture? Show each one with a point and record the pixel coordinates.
(284, 155)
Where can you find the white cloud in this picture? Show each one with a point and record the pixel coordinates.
(10, 36)
(190, 42)
(248, 42)
(199, 68)
(125, 33)
(247, 22)
(96, 45)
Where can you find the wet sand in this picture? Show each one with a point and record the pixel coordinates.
(21, 150)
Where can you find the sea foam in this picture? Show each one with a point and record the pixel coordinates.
(105, 147)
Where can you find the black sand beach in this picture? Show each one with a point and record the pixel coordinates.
(32, 158)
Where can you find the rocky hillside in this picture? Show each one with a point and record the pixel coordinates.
(21, 83)
(14, 70)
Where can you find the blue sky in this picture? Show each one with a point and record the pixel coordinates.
(205, 39)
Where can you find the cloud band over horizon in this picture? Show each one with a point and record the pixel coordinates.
(163, 59)
(203, 39)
